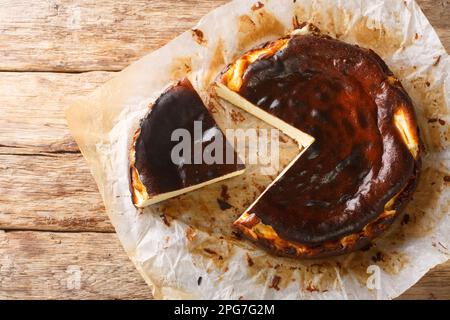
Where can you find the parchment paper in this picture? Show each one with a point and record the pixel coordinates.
(185, 247)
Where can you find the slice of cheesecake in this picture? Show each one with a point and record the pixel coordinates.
(353, 180)
(159, 170)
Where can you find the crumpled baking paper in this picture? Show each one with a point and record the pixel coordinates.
(185, 247)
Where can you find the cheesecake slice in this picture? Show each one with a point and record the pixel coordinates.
(348, 185)
(158, 169)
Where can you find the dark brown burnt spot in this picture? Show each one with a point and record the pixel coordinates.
(379, 256)
(190, 234)
(405, 219)
(441, 122)
(438, 60)
(223, 205)
(210, 251)
(198, 36)
(250, 260)
(275, 282)
(237, 116)
(237, 235)
(258, 5)
(367, 247)
(447, 179)
(260, 188)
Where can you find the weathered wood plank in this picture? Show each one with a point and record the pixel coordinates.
(32, 108)
(42, 265)
(49, 192)
(437, 11)
(44, 182)
(85, 35)
(435, 285)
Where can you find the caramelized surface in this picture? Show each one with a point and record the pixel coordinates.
(346, 98)
(177, 108)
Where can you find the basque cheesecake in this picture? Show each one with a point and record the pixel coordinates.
(359, 146)
(363, 152)
(155, 174)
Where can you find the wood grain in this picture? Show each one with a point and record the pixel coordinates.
(43, 265)
(438, 13)
(45, 184)
(44, 181)
(435, 285)
(84, 35)
(49, 192)
(32, 109)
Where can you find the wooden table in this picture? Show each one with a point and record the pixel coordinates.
(53, 226)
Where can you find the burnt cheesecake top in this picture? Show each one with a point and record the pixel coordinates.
(180, 107)
(366, 155)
